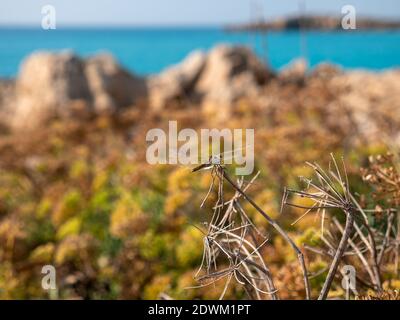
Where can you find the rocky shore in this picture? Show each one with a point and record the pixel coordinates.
(59, 85)
(63, 84)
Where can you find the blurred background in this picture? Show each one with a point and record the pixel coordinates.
(148, 36)
(82, 83)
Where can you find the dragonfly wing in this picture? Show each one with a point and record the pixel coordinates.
(181, 155)
(230, 155)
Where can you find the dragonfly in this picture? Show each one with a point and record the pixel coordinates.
(215, 163)
(218, 160)
(215, 160)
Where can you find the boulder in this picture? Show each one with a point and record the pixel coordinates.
(177, 81)
(230, 73)
(326, 71)
(294, 72)
(61, 84)
(111, 86)
(221, 76)
(7, 96)
(371, 100)
(47, 84)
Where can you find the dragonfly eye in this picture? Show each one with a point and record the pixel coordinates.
(215, 160)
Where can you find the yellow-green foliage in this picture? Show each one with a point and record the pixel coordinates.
(311, 237)
(68, 207)
(42, 254)
(127, 219)
(70, 227)
(189, 249)
(158, 285)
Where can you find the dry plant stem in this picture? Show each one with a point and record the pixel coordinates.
(338, 256)
(358, 252)
(328, 254)
(262, 269)
(374, 259)
(277, 227)
(387, 235)
(396, 263)
(372, 248)
(371, 244)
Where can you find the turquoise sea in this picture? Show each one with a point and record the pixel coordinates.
(149, 50)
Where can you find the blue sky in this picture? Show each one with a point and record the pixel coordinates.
(178, 12)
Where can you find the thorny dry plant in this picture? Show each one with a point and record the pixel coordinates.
(232, 239)
(232, 245)
(356, 238)
(383, 174)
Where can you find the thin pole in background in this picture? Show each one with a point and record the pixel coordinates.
(257, 29)
(264, 35)
(251, 31)
(303, 38)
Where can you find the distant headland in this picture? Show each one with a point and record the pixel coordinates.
(313, 22)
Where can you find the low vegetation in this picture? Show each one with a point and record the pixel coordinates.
(78, 194)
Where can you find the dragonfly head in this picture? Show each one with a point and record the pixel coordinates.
(216, 159)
